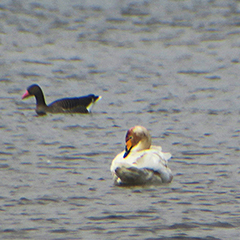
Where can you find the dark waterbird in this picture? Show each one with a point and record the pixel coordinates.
(65, 105)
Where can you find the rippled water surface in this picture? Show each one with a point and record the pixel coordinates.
(171, 66)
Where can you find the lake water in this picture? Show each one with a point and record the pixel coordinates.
(171, 66)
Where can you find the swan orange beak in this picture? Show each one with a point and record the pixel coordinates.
(128, 147)
(128, 144)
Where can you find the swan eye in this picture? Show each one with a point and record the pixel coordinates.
(129, 138)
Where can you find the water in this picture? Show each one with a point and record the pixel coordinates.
(171, 66)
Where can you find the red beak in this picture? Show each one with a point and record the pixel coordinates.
(25, 95)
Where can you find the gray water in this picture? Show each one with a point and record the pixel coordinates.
(171, 66)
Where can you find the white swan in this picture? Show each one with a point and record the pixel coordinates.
(141, 163)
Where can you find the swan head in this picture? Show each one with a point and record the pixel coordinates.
(137, 139)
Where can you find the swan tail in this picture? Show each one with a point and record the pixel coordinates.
(136, 176)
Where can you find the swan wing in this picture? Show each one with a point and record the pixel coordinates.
(152, 159)
(136, 176)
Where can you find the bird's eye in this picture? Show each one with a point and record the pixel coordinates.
(130, 137)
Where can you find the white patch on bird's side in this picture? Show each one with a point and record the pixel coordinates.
(90, 106)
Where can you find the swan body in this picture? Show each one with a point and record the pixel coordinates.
(141, 162)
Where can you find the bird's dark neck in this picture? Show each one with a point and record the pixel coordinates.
(40, 99)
